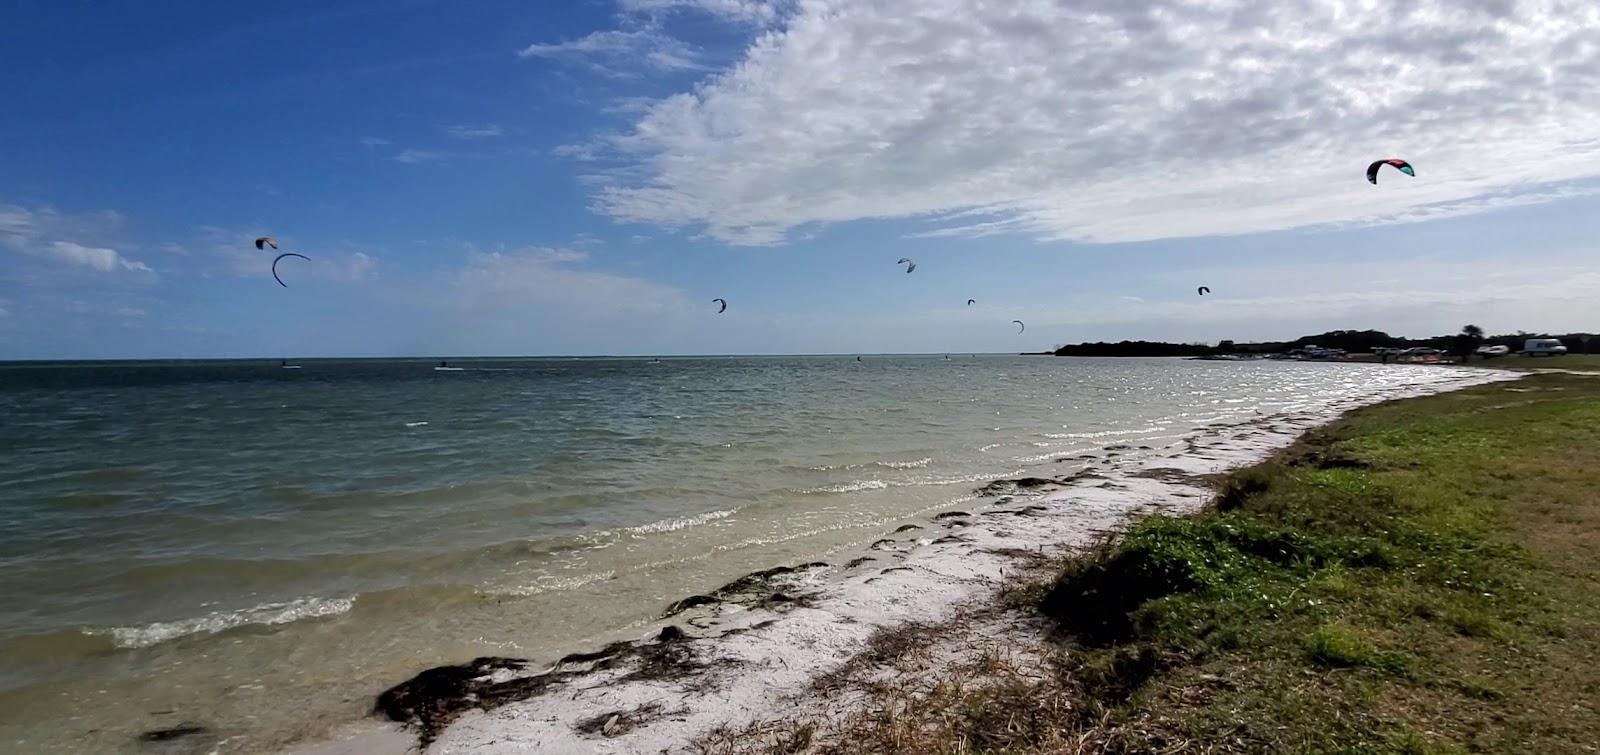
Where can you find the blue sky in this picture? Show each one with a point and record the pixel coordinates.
(487, 177)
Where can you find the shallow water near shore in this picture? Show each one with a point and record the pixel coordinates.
(260, 551)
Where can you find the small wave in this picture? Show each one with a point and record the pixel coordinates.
(856, 486)
(268, 614)
(904, 464)
(980, 477)
(1103, 433)
(917, 464)
(556, 584)
(1049, 456)
(846, 487)
(415, 424)
(673, 525)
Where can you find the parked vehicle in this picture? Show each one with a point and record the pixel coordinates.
(1543, 347)
(1490, 352)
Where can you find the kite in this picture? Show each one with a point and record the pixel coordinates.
(1403, 166)
(275, 266)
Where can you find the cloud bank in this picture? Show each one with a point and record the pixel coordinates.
(96, 258)
(749, 11)
(621, 47)
(46, 233)
(1112, 121)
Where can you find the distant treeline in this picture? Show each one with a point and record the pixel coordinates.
(1135, 349)
(1353, 341)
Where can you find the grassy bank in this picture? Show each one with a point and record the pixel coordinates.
(1422, 577)
(1566, 361)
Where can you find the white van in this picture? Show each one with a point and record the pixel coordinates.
(1543, 347)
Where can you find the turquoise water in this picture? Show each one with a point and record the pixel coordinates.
(263, 549)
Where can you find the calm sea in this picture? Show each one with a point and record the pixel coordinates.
(261, 550)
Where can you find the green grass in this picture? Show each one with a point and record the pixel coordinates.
(1422, 577)
(1566, 361)
(1424, 566)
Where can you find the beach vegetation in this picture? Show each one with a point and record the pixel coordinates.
(1417, 578)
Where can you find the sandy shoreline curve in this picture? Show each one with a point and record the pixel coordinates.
(752, 649)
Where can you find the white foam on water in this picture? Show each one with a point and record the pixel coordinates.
(1105, 433)
(266, 614)
(681, 523)
(415, 424)
(856, 486)
(916, 464)
(981, 477)
(555, 584)
(919, 463)
(846, 487)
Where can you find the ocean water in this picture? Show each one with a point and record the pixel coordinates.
(261, 550)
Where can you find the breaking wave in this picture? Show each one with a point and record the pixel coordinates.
(266, 614)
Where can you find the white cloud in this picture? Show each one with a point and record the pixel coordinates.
(474, 132)
(350, 267)
(414, 156)
(624, 47)
(374, 141)
(757, 11)
(16, 226)
(1113, 121)
(97, 258)
(22, 228)
(630, 105)
(130, 312)
(583, 152)
(507, 302)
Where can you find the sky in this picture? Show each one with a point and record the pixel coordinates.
(498, 177)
